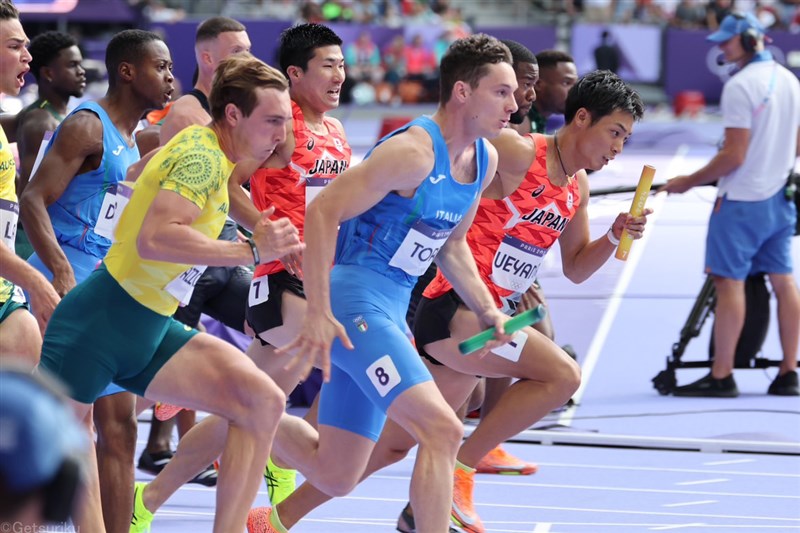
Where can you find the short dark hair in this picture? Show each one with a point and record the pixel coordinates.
(602, 92)
(211, 28)
(128, 46)
(8, 11)
(551, 58)
(467, 59)
(236, 80)
(46, 46)
(519, 52)
(297, 44)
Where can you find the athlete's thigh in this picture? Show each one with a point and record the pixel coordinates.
(455, 386)
(293, 310)
(262, 349)
(384, 362)
(20, 335)
(530, 355)
(209, 374)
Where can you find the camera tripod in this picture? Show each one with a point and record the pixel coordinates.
(752, 337)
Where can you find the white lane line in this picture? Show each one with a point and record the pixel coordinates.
(729, 462)
(677, 526)
(703, 481)
(686, 504)
(615, 300)
(542, 527)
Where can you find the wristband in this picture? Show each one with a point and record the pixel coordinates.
(254, 249)
(610, 236)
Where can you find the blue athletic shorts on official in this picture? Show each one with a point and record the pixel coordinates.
(750, 237)
(365, 381)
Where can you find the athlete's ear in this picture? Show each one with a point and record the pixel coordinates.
(232, 114)
(461, 90)
(583, 117)
(294, 72)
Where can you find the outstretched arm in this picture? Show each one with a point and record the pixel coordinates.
(729, 158)
(580, 256)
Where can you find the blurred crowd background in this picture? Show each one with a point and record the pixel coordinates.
(393, 47)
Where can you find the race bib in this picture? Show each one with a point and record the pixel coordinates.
(182, 286)
(515, 264)
(314, 186)
(9, 216)
(419, 248)
(259, 291)
(513, 349)
(383, 375)
(40, 154)
(18, 295)
(114, 202)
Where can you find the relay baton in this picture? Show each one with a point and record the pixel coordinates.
(528, 318)
(637, 207)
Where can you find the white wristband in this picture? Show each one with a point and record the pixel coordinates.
(611, 238)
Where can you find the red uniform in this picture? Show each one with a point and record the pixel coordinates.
(315, 161)
(510, 237)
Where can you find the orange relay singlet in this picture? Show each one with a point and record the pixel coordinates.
(316, 160)
(510, 237)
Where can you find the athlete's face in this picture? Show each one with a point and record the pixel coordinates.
(525, 95)
(492, 102)
(553, 85)
(320, 85)
(14, 56)
(258, 134)
(154, 81)
(601, 142)
(227, 44)
(66, 72)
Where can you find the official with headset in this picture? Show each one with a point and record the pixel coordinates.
(754, 217)
(41, 452)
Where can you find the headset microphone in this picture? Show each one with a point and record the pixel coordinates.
(721, 60)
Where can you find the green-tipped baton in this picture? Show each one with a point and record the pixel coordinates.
(528, 318)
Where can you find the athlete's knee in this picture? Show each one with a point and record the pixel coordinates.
(337, 481)
(116, 432)
(256, 399)
(441, 431)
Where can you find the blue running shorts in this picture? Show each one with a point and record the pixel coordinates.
(750, 237)
(365, 381)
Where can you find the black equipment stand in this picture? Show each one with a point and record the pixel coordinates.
(754, 331)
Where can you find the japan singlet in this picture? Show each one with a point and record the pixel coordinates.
(316, 160)
(510, 237)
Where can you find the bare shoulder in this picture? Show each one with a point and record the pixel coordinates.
(410, 152)
(81, 134)
(34, 123)
(186, 111)
(186, 103)
(516, 152)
